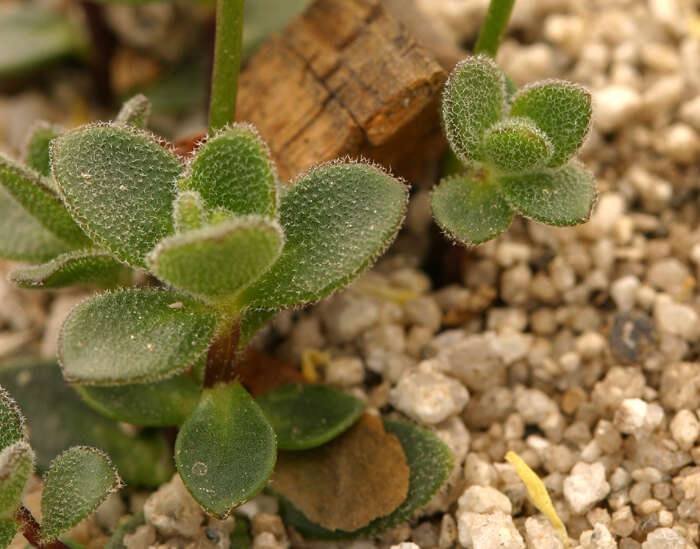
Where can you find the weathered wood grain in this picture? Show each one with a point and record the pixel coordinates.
(345, 78)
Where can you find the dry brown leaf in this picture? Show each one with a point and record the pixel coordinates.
(345, 484)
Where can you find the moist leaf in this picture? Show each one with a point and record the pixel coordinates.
(76, 483)
(516, 145)
(233, 170)
(157, 404)
(136, 112)
(91, 267)
(561, 109)
(119, 185)
(429, 460)
(561, 197)
(131, 336)
(37, 147)
(218, 260)
(16, 467)
(337, 219)
(470, 211)
(58, 419)
(306, 415)
(35, 195)
(11, 421)
(225, 451)
(474, 98)
(348, 482)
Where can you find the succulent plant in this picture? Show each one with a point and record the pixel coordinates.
(76, 482)
(517, 147)
(226, 245)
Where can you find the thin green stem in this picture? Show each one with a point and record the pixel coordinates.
(227, 63)
(494, 27)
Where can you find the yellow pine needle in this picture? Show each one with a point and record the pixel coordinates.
(538, 493)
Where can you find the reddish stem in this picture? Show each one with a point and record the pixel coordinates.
(221, 359)
(32, 531)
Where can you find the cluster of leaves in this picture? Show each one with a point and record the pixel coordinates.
(76, 482)
(230, 246)
(518, 147)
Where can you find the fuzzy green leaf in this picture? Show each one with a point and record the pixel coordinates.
(560, 109)
(58, 420)
(233, 170)
(16, 467)
(91, 267)
(429, 460)
(119, 184)
(474, 98)
(470, 211)
(11, 421)
(158, 404)
(8, 530)
(188, 211)
(35, 195)
(516, 145)
(135, 112)
(27, 239)
(31, 38)
(337, 219)
(305, 415)
(218, 260)
(252, 321)
(132, 336)
(76, 483)
(37, 147)
(225, 450)
(561, 197)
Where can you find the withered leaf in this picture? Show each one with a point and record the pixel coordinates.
(345, 484)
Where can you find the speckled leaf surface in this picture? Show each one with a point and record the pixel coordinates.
(516, 145)
(218, 260)
(135, 112)
(30, 241)
(58, 419)
(119, 184)
(91, 267)
(16, 467)
(36, 155)
(77, 481)
(8, 530)
(233, 170)
(430, 462)
(36, 197)
(562, 110)
(252, 321)
(470, 211)
(157, 404)
(11, 420)
(337, 219)
(306, 415)
(474, 98)
(132, 336)
(225, 450)
(31, 38)
(561, 197)
(188, 211)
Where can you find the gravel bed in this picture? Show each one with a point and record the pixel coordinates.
(576, 348)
